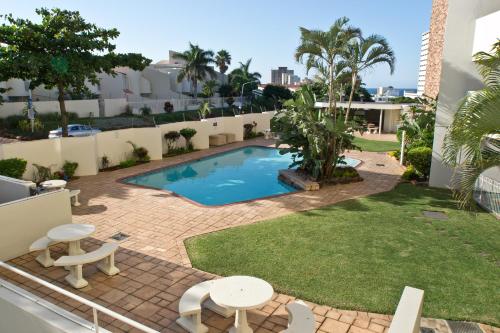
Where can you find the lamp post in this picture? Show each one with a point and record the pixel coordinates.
(241, 96)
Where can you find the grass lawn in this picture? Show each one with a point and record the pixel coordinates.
(372, 145)
(359, 255)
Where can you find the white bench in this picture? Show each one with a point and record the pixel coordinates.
(106, 253)
(43, 244)
(73, 196)
(230, 137)
(300, 318)
(190, 307)
(408, 313)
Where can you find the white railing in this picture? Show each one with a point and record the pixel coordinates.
(487, 194)
(95, 307)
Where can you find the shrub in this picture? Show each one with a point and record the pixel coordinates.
(421, 158)
(104, 162)
(146, 110)
(168, 107)
(396, 153)
(13, 167)
(345, 172)
(140, 154)
(25, 125)
(69, 169)
(204, 110)
(187, 134)
(127, 163)
(12, 122)
(410, 173)
(248, 130)
(171, 137)
(41, 173)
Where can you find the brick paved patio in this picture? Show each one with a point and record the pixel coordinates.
(155, 269)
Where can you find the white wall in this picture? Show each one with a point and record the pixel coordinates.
(82, 107)
(21, 224)
(114, 106)
(459, 74)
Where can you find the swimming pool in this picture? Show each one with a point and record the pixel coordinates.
(234, 176)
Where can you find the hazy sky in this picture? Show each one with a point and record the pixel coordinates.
(266, 31)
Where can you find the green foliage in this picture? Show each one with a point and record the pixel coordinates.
(41, 173)
(277, 92)
(410, 173)
(104, 162)
(168, 107)
(209, 88)
(139, 154)
(226, 90)
(418, 125)
(187, 134)
(403, 99)
(127, 163)
(171, 138)
(248, 130)
(146, 110)
(13, 167)
(420, 158)
(197, 66)
(25, 125)
(222, 60)
(69, 169)
(345, 172)
(204, 110)
(315, 138)
(61, 50)
(242, 75)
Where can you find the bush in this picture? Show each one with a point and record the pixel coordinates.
(146, 110)
(127, 163)
(171, 137)
(25, 125)
(187, 134)
(168, 107)
(248, 130)
(395, 153)
(41, 173)
(140, 154)
(69, 169)
(104, 162)
(410, 173)
(421, 158)
(13, 167)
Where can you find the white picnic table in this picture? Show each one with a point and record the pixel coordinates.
(71, 233)
(241, 293)
(53, 184)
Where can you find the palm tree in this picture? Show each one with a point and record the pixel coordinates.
(323, 48)
(242, 75)
(364, 53)
(472, 143)
(196, 66)
(209, 88)
(223, 59)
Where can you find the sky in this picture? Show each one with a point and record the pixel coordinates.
(265, 30)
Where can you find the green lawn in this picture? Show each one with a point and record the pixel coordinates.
(377, 146)
(359, 255)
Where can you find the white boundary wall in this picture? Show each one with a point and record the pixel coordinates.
(88, 151)
(81, 107)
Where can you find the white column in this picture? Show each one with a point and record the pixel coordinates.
(380, 122)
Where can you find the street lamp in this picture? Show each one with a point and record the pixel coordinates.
(241, 96)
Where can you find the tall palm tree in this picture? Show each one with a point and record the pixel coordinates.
(210, 87)
(364, 53)
(223, 59)
(472, 143)
(242, 75)
(323, 48)
(197, 66)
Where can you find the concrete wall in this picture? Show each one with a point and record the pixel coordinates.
(81, 107)
(88, 151)
(21, 225)
(115, 106)
(458, 73)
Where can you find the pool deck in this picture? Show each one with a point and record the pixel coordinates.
(155, 268)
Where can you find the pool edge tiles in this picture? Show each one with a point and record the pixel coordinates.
(234, 176)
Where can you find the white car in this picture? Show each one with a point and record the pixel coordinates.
(74, 130)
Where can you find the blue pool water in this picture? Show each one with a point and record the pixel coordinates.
(238, 175)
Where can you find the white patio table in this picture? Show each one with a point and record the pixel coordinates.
(241, 293)
(71, 233)
(53, 184)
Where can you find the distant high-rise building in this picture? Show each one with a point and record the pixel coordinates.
(284, 76)
(422, 69)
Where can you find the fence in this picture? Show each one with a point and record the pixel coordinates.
(487, 194)
(89, 151)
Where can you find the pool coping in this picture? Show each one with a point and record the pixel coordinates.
(121, 180)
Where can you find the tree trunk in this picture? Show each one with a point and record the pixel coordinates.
(62, 107)
(351, 95)
(195, 88)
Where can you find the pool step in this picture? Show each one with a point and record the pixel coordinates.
(291, 177)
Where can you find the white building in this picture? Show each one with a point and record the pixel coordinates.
(422, 68)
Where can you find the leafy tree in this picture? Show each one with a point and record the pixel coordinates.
(187, 134)
(209, 88)
(226, 90)
(242, 75)
(361, 54)
(276, 94)
(62, 51)
(204, 110)
(472, 143)
(222, 60)
(197, 66)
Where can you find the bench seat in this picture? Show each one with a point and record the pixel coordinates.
(409, 311)
(300, 318)
(73, 196)
(217, 140)
(42, 244)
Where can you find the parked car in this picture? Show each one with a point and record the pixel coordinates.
(75, 130)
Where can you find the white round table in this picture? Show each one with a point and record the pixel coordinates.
(53, 184)
(241, 293)
(71, 233)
